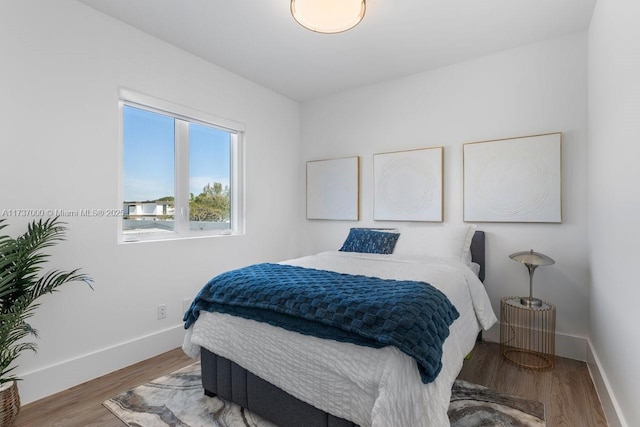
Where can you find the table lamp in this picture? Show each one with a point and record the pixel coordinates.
(532, 260)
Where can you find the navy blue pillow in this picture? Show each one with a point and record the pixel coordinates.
(369, 241)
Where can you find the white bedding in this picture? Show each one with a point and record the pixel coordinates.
(370, 387)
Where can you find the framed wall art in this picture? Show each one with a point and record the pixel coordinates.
(333, 189)
(408, 185)
(514, 180)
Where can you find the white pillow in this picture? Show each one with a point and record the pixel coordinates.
(453, 242)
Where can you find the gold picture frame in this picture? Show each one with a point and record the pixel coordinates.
(333, 189)
(408, 185)
(513, 179)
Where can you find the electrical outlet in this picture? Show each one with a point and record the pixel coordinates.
(185, 304)
(162, 311)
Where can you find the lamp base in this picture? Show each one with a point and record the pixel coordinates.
(531, 302)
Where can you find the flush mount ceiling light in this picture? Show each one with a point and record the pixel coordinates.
(328, 16)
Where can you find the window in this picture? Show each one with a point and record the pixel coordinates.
(181, 172)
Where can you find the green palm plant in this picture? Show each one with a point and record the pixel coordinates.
(22, 282)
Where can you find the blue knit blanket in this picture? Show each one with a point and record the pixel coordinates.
(413, 316)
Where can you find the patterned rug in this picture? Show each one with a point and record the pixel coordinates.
(178, 400)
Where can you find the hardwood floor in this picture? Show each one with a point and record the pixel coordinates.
(567, 391)
(81, 406)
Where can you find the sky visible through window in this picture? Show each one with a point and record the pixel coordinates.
(149, 156)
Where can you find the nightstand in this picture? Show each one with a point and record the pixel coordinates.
(528, 334)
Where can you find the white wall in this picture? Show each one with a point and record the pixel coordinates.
(530, 90)
(62, 64)
(614, 205)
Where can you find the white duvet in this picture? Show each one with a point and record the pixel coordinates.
(370, 387)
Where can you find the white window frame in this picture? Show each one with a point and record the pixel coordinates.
(184, 116)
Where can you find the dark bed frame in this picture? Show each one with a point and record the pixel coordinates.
(229, 381)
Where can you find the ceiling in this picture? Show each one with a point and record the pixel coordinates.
(259, 40)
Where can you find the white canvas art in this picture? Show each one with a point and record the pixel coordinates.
(333, 189)
(514, 180)
(408, 185)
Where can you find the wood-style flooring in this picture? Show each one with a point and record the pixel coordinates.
(81, 406)
(567, 391)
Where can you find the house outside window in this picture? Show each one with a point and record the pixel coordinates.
(181, 173)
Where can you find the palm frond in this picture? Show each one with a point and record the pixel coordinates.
(21, 284)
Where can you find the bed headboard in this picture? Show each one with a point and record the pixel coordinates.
(477, 252)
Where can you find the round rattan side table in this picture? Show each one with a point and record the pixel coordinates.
(528, 334)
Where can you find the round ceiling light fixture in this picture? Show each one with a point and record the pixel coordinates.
(328, 16)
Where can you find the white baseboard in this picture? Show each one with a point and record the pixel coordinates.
(55, 378)
(569, 346)
(603, 388)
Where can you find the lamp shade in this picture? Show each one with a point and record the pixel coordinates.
(531, 257)
(328, 16)
(531, 260)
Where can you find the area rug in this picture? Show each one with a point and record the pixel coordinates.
(473, 405)
(178, 400)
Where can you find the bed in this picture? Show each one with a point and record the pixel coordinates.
(295, 379)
